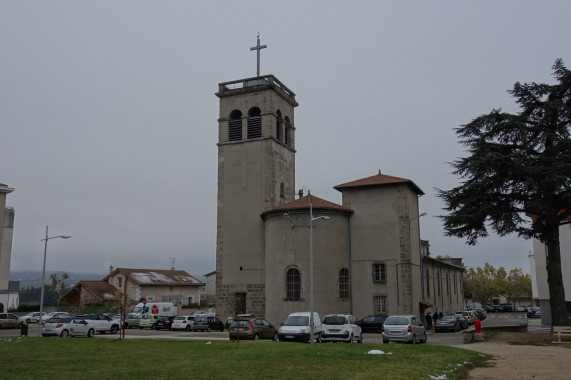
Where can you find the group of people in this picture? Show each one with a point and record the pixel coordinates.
(431, 317)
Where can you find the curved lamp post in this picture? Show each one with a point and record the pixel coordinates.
(44, 275)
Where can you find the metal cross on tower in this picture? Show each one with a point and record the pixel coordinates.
(258, 48)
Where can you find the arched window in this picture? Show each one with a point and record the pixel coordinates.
(235, 126)
(282, 190)
(279, 126)
(287, 138)
(254, 123)
(427, 283)
(438, 282)
(293, 284)
(344, 283)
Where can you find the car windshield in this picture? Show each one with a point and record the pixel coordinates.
(146, 317)
(333, 320)
(447, 318)
(201, 319)
(396, 321)
(296, 321)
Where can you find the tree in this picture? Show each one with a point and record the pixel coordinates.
(57, 287)
(517, 284)
(483, 284)
(519, 166)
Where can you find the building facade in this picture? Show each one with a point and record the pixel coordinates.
(538, 270)
(8, 289)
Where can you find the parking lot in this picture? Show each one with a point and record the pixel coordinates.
(135, 333)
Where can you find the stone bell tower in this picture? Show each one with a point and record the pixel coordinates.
(256, 172)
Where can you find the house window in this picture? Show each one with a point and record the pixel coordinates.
(379, 273)
(235, 126)
(150, 298)
(119, 282)
(427, 283)
(380, 304)
(344, 283)
(254, 123)
(293, 284)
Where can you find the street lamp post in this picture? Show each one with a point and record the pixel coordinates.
(44, 275)
(311, 220)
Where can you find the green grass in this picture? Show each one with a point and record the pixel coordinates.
(97, 358)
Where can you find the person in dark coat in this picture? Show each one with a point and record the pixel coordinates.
(435, 316)
(428, 321)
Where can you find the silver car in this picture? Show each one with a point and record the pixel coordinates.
(403, 328)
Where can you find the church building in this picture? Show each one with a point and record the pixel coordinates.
(365, 254)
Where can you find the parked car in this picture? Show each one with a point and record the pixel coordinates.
(449, 323)
(102, 323)
(183, 322)
(132, 320)
(372, 323)
(54, 314)
(164, 323)
(8, 320)
(463, 321)
(534, 312)
(297, 327)
(253, 328)
(403, 328)
(148, 321)
(340, 328)
(68, 326)
(468, 315)
(229, 320)
(31, 317)
(207, 323)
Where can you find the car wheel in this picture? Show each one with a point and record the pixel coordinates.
(140, 327)
(27, 321)
(208, 329)
(90, 333)
(423, 340)
(187, 328)
(64, 334)
(114, 329)
(256, 337)
(276, 337)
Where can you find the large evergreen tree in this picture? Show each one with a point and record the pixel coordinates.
(518, 167)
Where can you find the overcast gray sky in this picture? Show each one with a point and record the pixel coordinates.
(109, 119)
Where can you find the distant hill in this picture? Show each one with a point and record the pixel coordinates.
(34, 278)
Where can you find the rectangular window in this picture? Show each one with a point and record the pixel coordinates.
(379, 273)
(380, 304)
(119, 282)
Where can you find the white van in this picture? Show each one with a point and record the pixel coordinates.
(296, 327)
(166, 309)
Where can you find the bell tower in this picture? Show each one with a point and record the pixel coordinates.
(256, 172)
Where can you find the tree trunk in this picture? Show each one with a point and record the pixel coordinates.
(555, 277)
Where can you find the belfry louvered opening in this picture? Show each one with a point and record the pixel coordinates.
(235, 126)
(254, 123)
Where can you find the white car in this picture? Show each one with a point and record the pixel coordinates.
(54, 314)
(68, 326)
(340, 328)
(102, 323)
(403, 328)
(31, 317)
(183, 322)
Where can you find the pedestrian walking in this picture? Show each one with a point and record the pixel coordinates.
(428, 319)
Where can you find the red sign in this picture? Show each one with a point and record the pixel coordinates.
(144, 302)
(155, 309)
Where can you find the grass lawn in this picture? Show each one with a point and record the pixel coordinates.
(146, 359)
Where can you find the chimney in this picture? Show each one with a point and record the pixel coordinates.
(111, 269)
(300, 193)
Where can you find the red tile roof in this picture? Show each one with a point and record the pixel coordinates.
(378, 180)
(304, 202)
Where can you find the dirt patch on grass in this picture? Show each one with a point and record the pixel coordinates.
(521, 356)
